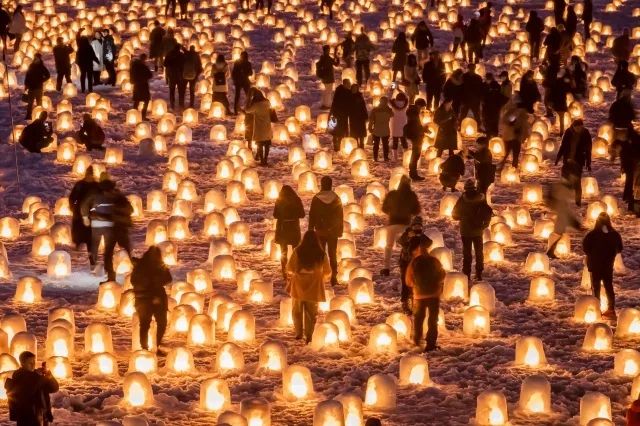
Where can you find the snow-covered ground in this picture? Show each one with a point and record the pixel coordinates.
(460, 371)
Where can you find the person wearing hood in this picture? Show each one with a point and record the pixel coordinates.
(308, 270)
(91, 134)
(451, 170)
(575, 152)
(174, 64)
(425, 277)
(110, 54)
(98, 50)
(623, 79)
(34, 80)
(28, 392)
(220, 76)
(37, 135)
(529, 93)
(474, 215)
(434, 76)
(412, 77)
(326, 219)
(485, 170)
(326, 74)
(399, 107)
(191, 70)
(85, 58)
(621, 48)
(601, 246)
(155, 44)
(400, 205)
(622, 112)
(453, 90)
(492, 102)
(287, 212)
(62, 58)
(514, 129)
(139, 75)
(558, 202)
(447, 121)
(412, 231)
(83, 189)
(414, 132)
(149, 277)
(379, 127)
(535, 27)
(260, 110)
(17, 27)
(240, 74)
(422, 39)
(339, 111)
(363, 48)
(358, 116)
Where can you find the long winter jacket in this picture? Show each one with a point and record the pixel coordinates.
(96, 45)
(261, 113)
(85, 57)
(465, 210)
(601, 245)
(155, 42)
(379, 120)
(140, 75)
(326, 215)
(28, 395)
(36, 75)
(288, 212)
(148, 281)
(363, 47)
(340, 107)
(61, 55)
(433, 75)
(307, 284)
(173, 63)
(447, 122)
(399, 118)
(472, 88)
(358, 116)
(581, 150)
(401, 204)
(79, 193)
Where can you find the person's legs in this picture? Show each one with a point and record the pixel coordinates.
(596, 282)
(359, 71)
(145, 313)
(385, 147)
(182, 87)
(433, 306)
(327, 94)
(376, 147)
(419, 314)
(160, 315)
(405, 291)
(296, 314)
(393, 233)
(367, 71)
(310, 310)
(477, 245)
(172, 93)
(332, 248)
(59, 78)
(467, 243)
(416, 151)
(236, 99)
(109, 246)
(30, 99)
(284, 251)
(516, 153)
(96, 236)
(577, 189)
(192, 93)
(607, 281)
(122, 238)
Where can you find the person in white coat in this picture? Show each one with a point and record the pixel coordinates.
(399, 106)
(17, 27)
(96, 44)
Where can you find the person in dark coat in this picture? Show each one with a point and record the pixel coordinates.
(326, 218)
(529, 93)
(149, 277)
(340, 108)
(485, 170)
(414, 132)
(62, 57)
(452, 90)
(348, 47)
(155, 45)
(425, 276)
(578, 73)
(552, 43)
(400, 50)
(485, 17)
(173, 64)
(622, 47)
(110, 55)
(191, 70)
(534, 28)
(83, 189)
(451, 170)
(140, 74)
(422, 39)
(91, 134)
(626, 144)
(240, 74)
(5, 20)
(28, 392)
(36, 75)
(433, 75)
(37, 135)
(287, 211)
(575, 152)
(327, 4)
(85, 58)
(587, 17)
(405, 240)
(558, 11)
(560, 87)
(623, 79)
(601, 246)
(358, 116)
(474, 215)
(506, 88)
(184, 9)
(492, 101)
(473, 37)
(571, 23)
(622, 112)
(472, 92)
(170, 7)
(400, 205)
(326, 74)
(445, 118)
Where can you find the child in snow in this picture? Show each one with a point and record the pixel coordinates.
(452, 170)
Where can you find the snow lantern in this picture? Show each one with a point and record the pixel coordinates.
(414, 370)
(626, 363)
(62, 207)
(273, 356)
(476, 321)
(535, 395)
(184, 135)
(60, 367)
(196, 300)
(21, 342)
(103, 364)
(224, 312)
(346, 249)
(469, 127)
(271, 189)
(325, 337)
(244, 279)
(341, 320)
(297, 384)
(201, 280)
(132, 117)
(483, 294)
(181, 318)
(344, 303)
(542, 289)
(113, 155)
(589, 187)
(296, 154)
(97, 338)
(612, 205)
(447, 202)
(109, 294)
(179, 164)
(537, 263)
(381, 392)
(322, 161)
(225, 169)
(563, 247)
(360, 169)
(445, 256)
(156, 202)
(80, 165)
(42, 220)
(8, 364)
(223, 268)
(594, 209)
(202, 331)
(501, 233)
(380, 237)
(594, 405)
(401, 323)
(307, 183)
(187, 190)
(352, 408)
(236, 193)
(361, 291)
(256, 411)
(190, 116)
(28, 290)
(214, 395)
(13, 324)
(328, 413)
(180, 361)
(143, 361)
(491, 409)
(231, 418)
(61, 233)
(169, 252)
(345, 266)
(383, 339)
(127, 304)
(371, 205)
(59, 264)
(345, 192)
(493, 252)
(261, 291)
(59, 343)
(229, 358)
(598, 338)
(456, 286)
(214, 225)
(587, 309)
(496, 146)
(9, 228)
(286, 317)
(242, 327)
(137, 390)
(238, 234)
(178, 228)
(532, 193)
(303, 113)
(628, 323)
(542, 228)
(218, 133)
(530, 352)
(509, 175)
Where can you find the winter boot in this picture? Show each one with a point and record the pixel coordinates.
(385, 272)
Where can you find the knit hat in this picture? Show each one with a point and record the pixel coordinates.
(470, 185)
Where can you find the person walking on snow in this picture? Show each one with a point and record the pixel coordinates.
(575, 153)
(81, 191)
(287, 211)
(379, 128)
(326, 74)
(140, 74)
(220, 74)
(399, 107)
(363, 48)
(414, 230)
(37, 74)
(558, 202)
(339, 112)
(240, 74)
(447, 137)
(62, 57)
(414, 132)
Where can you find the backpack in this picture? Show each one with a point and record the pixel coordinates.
(189, 71)
(219, 78)
(482, 218)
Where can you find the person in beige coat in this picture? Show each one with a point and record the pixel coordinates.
(308, 269)
(514, 129)
(260, 109)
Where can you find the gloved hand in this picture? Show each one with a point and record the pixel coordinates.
(86, 221)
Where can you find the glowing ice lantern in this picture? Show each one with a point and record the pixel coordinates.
(469, 127)
(361, 290)
(181, 318)
(297, 383)
(456, 286)
(256, 411)
(445, 256)
(273, 356)
(238, 234)
(59, 264)
(414, 371)
(187, 190)
(530, 352)
(42, 220)
(628, 323)
(218, 133)
(537, 263)
(346, 304)
(214, 395)
(103, 364)
(328, 413)
(598, 338)
(143, 131)
(180, 361)
(214, 225)
(383, 339)
(8, 364)
(236, 193)
(202, 331)
(137, 390)
(60, 367)
(229, 358)
(261, 291)
(346, 249)
(307, 183)
(542, 289)
(223, 268)
(97, 338)
(535, 395)
(341, 320)
(483, 294)
(242, 327)
(271, 189)
(493, 252)
(509, 175)
(496, 146)
(201, 280)
(169, 252)
(21, 342)
(66, 152)
(446, 204)
(594, 405)
(626, 363)
(532, 193)
(587, 309)
(59, 343)
(109, 294)
(381, 392)
(156, 202)
(325, 337)
(143, 361)
(476, 321)
(589, 187)
(360, 169)
(286, 317)
(9, 228)
(401, 323)
(179, 164)
(322, 160)
(42, 246)
(491, 409)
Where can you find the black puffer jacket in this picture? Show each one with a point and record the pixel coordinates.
(288, 211)
(601, 247)
(466, 211)
(28, 394)
(148, 281)
(401, 204)
(326, 215)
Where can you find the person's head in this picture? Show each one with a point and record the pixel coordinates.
(37, 58)
(97, 35)
(411, 60)
(577, 125)
(504, 75)
(401, 99)
(404, 184)
(244, 55)
(326, 49)
(623, 65)
(220, 59)
(43, 115)
(482, 141)
(170, 32)
(156, 23)
(326, 183)
(346, 83)
(533, 14)
(457, 75)
(310, 253)
(413, 113)
(560, 27)
(419, 245)
(153, 256)
(86, 117)
(470, 185)
(355, 88)
(603, 222)
(27, 360)
(373, 421)
(59, 40)
(402, 36)
(105, 32)
(258, 96)
(192, 48)
(471, 67)
(287, 193)
(88, 174)
(489, 77)
(143, 57)
(528, 75)
(384, 101)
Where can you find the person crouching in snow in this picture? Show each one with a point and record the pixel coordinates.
(425, 276)
(91, 134)
(559, 201)
(37, 135)
(148, 279)
(414, 230)
(601, 246)
(483, 163)
(451, 171)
